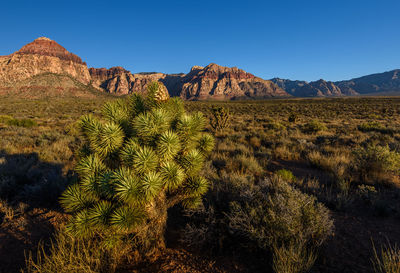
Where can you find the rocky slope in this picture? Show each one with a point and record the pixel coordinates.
(41, 56)
(386, 82)
(119, 81)
(219, 82)
(320, 88)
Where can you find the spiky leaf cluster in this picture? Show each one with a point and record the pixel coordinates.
(145, 152)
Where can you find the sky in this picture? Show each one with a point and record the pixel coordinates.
(299, 40)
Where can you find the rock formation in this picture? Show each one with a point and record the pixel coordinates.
(41, 56)
(218, 82)
(320, 88)
(387, 82)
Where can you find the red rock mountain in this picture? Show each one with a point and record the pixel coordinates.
(210, 82)
(219, 82)
(41, 56)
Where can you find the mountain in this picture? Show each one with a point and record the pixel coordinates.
(320, 88)
(44, 68)
(41, 56)
(219, 82)
(210, 82)
(119, 81)
(387, 82)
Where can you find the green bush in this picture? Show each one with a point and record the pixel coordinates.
(313, 127)
(281, 219)
(144, 158)
(374, 163)
(375, 127)
(286, 175)
(27, 123)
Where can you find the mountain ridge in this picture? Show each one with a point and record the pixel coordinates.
(212, 82)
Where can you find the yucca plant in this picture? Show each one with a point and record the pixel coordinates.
(142, 158)
(220, 118)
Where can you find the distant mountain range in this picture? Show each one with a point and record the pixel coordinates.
(375, 84)
(45, 68)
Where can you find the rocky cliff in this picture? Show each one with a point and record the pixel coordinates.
(320, 88)
(41, 56)
(219, 82)
(386, 82)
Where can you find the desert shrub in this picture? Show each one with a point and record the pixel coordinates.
(279, 213)
(369, 126)
(220, 118)
(246, 164)
(375, 126)
(313, 127)
(255, 142)
(274, 125)
(283, 220)
(144, 158)
(5, 118)
(69, 254)
(293, 117)
(286, 175)
(376, 163)
(27, 123)
(388, 261)
(294, 258)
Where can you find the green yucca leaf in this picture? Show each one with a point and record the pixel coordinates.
(100, 213)
(91, 164)
(128, 152)
(115, 111)
(90, 184)
(174, 107)
(206, 144)
(168, 145)
(192, 202)
(151, 185)
(74, 199)
(183, 125)
(192, 162)
(144, 160)
(125, 218)
(109, 139)
(81, 224)
(136, 105)
(144, 126)
(105, 185)
(89, 125)
(127, 186)
(172, 175)
(198, 122)
(118, 112)
(196, 186)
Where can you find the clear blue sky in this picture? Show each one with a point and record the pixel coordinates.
(307, 40)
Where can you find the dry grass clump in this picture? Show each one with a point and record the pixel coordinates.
(388, 261)
(68, 254)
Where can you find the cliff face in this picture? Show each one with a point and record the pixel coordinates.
(41, 56)
(119, 81)
(218, 82)
(320, 88)
(375, 83)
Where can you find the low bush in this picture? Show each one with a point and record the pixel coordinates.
(286, 175)
(376, 163)
(27, 123)
(313, 127)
